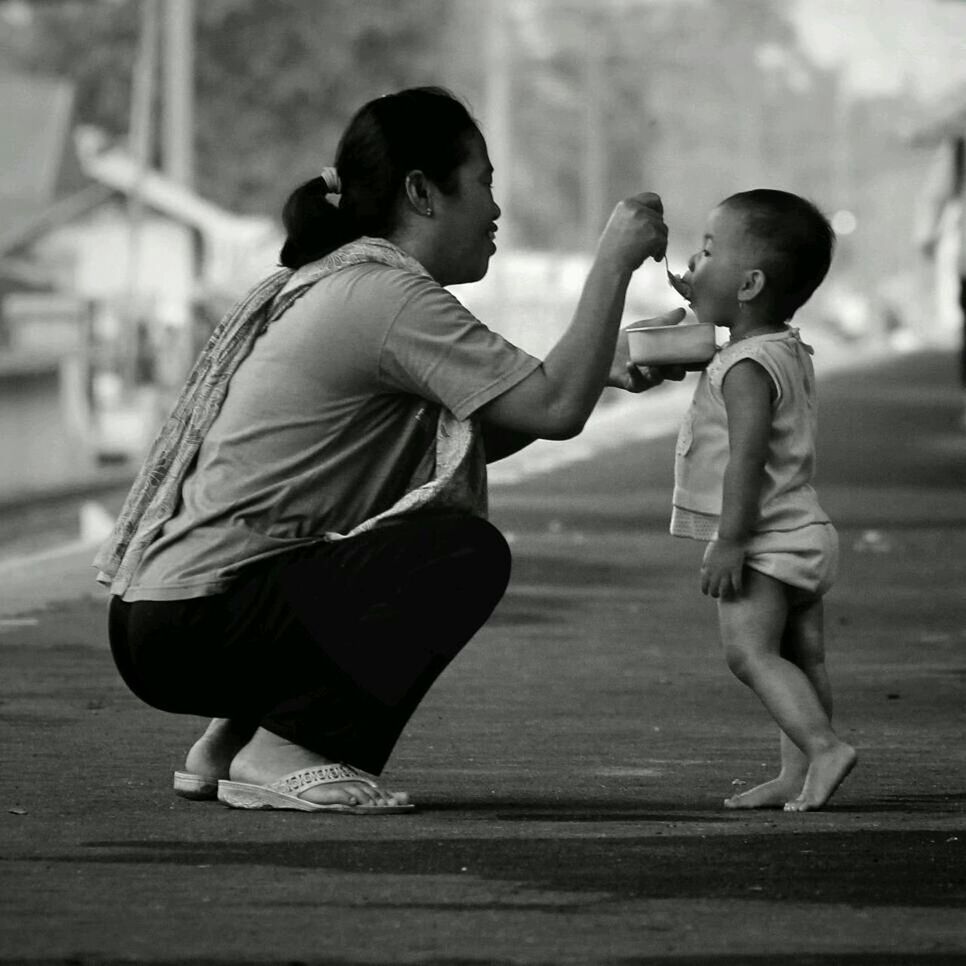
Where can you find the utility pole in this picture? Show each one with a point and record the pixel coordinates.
(141, 118)
(166, 39)
(498, 108)
(594, 174)
(141, 133)
(177, 141)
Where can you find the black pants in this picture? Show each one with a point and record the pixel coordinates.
(332, 647)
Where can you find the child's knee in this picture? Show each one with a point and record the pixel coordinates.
(739, 661)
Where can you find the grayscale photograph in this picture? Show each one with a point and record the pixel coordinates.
(483, 482)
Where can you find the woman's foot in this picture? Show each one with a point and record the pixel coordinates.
(770, 794)
(211, 755)
(825, 773)
(267, 758)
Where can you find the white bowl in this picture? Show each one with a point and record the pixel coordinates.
(667, 345)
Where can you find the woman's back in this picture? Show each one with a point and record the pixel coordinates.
(329, 421)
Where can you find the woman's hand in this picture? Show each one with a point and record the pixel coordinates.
(630, 378)
(634, 232)
(625, 375)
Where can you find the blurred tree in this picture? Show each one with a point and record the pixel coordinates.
(276, 80)
(695, 99)
(668, 92)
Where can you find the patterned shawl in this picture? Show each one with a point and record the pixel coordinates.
(458, 481)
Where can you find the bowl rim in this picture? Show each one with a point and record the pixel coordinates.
(665, 328)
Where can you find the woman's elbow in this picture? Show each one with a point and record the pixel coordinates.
(564, 423)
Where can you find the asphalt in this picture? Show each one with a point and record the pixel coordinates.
(569, 766)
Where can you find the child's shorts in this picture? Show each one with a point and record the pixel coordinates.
(807, 558)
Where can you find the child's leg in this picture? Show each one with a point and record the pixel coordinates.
(804, 645)
(794, 765)
(780, 790)
(753, 627)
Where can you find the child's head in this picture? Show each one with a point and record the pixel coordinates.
(764, 247)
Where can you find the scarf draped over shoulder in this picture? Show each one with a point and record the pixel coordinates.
(457, 483)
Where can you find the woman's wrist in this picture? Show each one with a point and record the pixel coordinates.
(608, 269)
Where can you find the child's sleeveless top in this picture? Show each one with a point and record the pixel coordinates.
(788, 500)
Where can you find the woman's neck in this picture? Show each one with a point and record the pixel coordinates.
(418, 246)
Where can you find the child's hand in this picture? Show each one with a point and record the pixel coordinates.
(724, 560)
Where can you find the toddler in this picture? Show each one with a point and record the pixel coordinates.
(743, 468)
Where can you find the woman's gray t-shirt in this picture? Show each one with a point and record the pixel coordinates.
(325, 423)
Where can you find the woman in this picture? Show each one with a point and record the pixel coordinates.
(306, 547)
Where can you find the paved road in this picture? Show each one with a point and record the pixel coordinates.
(569, 765)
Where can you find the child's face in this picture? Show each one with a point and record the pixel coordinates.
(716, 272)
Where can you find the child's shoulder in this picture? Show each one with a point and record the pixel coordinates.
(731, 353)
(774, 351)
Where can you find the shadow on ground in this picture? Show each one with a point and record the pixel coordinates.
(872, 868)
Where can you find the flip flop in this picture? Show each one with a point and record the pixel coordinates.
(284, 793)
(196, 787)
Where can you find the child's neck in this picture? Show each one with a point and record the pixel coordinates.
(749, 323)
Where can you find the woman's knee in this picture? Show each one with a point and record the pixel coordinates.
(467, 568)
(154, 657)
(481, 554)
(489, 543)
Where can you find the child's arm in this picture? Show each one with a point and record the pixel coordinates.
(748, 394)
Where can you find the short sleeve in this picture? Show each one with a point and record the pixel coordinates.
(757, 352)
(437, 349)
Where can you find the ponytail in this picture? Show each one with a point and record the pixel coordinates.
(313, 225)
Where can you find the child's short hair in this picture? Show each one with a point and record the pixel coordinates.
(797, 238)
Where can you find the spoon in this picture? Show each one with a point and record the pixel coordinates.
(676, 282)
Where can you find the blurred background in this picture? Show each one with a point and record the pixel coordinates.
(146, 148)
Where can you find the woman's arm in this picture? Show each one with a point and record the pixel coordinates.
(748, 394)
(554, 401)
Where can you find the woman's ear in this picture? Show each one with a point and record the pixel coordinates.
(751, 285)
(419, 193)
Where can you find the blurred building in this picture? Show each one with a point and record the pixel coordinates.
(105, 268)
(941, 221)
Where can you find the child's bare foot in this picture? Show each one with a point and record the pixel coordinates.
(267, 757)
(770, 794)
(825, 773)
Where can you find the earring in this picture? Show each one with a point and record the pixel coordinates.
(429, 212)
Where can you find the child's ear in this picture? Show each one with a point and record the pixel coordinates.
(751, 285)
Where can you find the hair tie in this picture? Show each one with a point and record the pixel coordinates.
(333, 186)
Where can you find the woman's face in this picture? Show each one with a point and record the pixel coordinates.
(466, 220)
